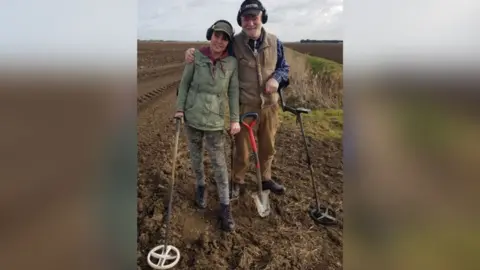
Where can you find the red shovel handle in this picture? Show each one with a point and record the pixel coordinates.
(250, 127)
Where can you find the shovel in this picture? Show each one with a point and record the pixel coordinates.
(261, 197)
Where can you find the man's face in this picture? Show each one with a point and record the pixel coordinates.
(252, 24)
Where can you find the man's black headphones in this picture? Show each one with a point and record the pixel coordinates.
(245, 6)
(210, 30)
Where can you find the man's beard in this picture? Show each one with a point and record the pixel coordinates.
(256, 32)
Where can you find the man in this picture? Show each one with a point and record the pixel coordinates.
(261, 68)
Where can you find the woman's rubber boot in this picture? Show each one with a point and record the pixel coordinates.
(200, 197)
(226, 220)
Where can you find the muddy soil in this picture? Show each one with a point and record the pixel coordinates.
(287, 239)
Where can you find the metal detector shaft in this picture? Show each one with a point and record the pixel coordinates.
(172, 180)
(309, 160)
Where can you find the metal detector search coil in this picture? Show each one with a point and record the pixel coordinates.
(323, 216)
(164, 255)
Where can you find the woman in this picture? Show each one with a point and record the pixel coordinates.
(205, 82)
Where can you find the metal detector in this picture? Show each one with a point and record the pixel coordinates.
(321, 215)
(168, 256)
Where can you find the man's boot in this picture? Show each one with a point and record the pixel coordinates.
(273, 186)
(226, 220)
(200, 197)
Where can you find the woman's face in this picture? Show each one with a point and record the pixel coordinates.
(219, 42)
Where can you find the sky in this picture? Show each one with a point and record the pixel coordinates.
(86, 30)
(434, 32)
(187, 20)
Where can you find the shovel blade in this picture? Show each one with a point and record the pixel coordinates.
(262, 202)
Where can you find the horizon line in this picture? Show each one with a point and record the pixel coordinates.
(170, 40)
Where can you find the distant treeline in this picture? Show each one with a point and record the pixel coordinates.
(155, 40)
(301, 41)
(171, 41)
(320, 41)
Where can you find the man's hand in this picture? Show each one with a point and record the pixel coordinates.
(189, 57)
(234, 128)
(271, 86)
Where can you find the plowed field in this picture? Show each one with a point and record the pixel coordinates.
(287, 239)
(330, 51)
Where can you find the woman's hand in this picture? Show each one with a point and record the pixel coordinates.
(234, 128)
(178, 115)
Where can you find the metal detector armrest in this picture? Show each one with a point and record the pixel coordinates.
(302, 110)
(289, 109)
(296, 111)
